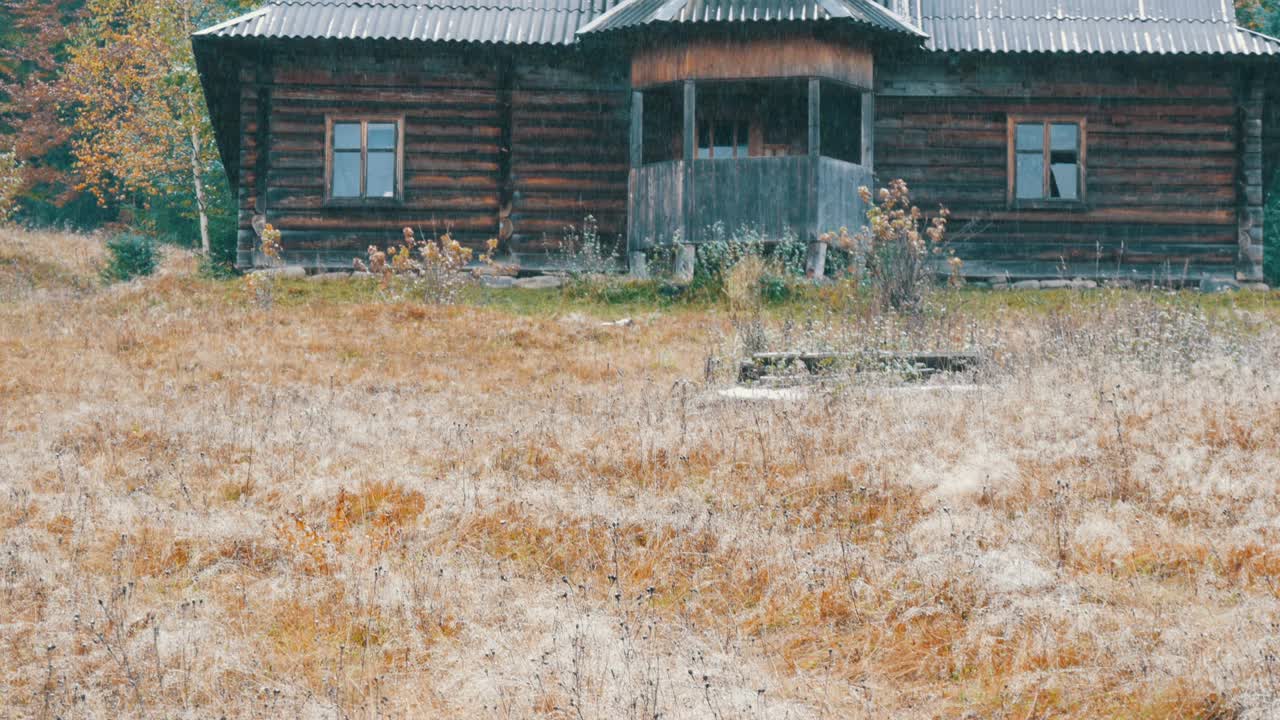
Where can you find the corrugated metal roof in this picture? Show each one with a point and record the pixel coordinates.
(543, 22)
(635, 13)
(1055, 26)
(1088, 26)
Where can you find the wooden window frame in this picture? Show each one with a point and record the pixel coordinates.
(742, 128)
(1011, 167)
(361, 200)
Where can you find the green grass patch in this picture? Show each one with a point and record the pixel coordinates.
(797, 300)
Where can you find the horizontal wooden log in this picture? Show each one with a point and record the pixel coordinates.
(436, 202)
(1017, 247)
(485, 222)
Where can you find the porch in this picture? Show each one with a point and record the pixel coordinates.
(718, 143)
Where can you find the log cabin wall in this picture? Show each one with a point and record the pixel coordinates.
(451, 150)
(1164, 157)
(520, 148)
(569, 125)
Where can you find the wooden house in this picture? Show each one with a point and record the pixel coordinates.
(1094, 138)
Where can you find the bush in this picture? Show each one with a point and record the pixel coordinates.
(10, 182)
(432, 270)
(718, 256)
(585, 252)
(898, 246)
(130, 256)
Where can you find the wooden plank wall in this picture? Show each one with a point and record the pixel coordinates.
(733, 57)
(770, 195)
(656, 214)
(569, 129)
(1163, 159)
(451, 153)
(839, 205)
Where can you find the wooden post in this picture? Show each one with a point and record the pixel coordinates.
(506, 178)
(815, 117)
(690, 149)
(637, 159)
(247, 241)
(1249, 186)
(815, 260)
(811, 229)
(685, 261)
(868, 130)
(690, 127)
(637, 129)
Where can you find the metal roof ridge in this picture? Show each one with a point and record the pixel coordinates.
(1090, 18)
(233, 21)
(1263, 36)
(907, 21)
(606, 15)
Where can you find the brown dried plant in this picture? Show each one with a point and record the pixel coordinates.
(899, 247)
(519, 513)
(261, 286)
(431, 270)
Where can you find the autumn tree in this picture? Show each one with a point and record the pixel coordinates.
(141, 128)
(36, 131)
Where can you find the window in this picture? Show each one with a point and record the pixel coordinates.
(1046, 161)
(663, 117)
(364, 159)
(752, 119)
(722, 137)
(840, 120)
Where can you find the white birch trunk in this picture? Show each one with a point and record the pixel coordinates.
(201, 205)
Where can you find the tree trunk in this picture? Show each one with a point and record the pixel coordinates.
(201, 205)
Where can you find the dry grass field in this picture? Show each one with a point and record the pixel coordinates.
(351, 508)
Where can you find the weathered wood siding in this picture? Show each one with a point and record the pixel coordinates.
(657, 204)
(1164, 156)
(728, 57)
(568, 151)
(451, 151)
(839, 205)
(801, 195)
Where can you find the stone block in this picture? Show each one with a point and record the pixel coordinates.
(291, 272)
(1218, 284)
(539, 282)
(329, 276)
(497, 281)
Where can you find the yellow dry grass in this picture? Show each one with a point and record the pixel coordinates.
(349, 508)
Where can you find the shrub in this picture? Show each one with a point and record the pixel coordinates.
(129, 256)
(586, 253)
(718, 256)
(261, 286)
(743, 288)
(721, 254)
(433, 270)
(10, 182)
(899, 257)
